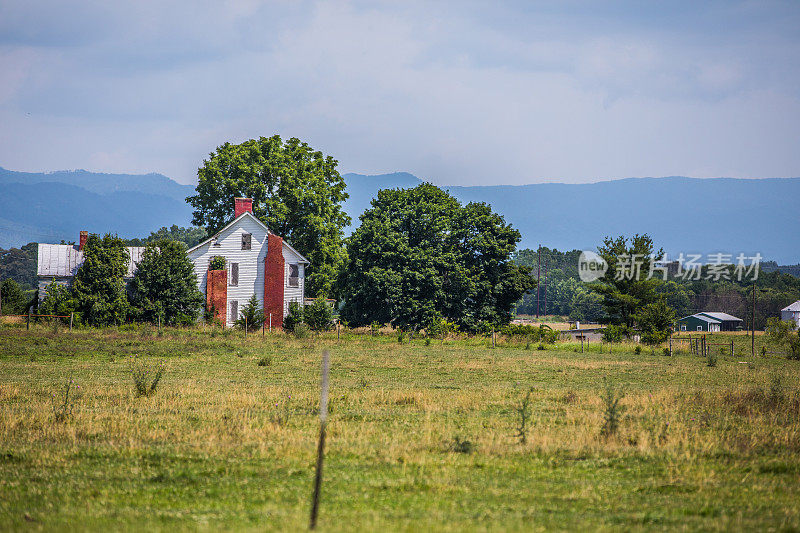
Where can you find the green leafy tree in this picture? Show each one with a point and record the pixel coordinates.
(14, 298)
(420, 256)
(294, 317)
(189, 236)
(319, 315)
(19, 264)
(783, 334)
(625, 287)
(656, 321)
(251, 315)
(58, 301)
(165, 285)
(296, 191)
(99, 287)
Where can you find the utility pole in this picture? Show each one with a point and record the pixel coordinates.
(538, 271)
(753, 326)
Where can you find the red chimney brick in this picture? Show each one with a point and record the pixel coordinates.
(242, 205)
(273, 281)
(82, 241)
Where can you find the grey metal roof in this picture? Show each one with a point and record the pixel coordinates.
(702, 317)
(725, 317)
(63, 260)
(792, 307)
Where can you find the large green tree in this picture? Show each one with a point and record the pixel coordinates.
(165, 284)
(98, 291)
(420, 256)
(625, 287)
(296, 191)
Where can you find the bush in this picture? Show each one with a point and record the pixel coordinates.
(637, 350)
(57, 301)
(319, 315)
(251, 315)
(217, 263)
(612, 410)
(146, 378)
(613, 333)
(294, 317)
(301, 331)
(15, 301)
(459, 445)
(712, 359)
(265, 361)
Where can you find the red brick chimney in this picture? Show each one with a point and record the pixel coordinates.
(273, 281)
(82, 241)
(242, 205)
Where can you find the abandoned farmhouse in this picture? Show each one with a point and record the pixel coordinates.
(257, 262)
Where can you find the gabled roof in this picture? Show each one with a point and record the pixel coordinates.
(64, 260)
(237, 219)
(725, 317)
(700, 316)
(792, 307)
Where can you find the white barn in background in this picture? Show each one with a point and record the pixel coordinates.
(791, 313)
(257, 262)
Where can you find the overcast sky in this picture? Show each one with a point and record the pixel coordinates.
(456, 93)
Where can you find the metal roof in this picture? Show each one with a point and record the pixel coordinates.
(725, 317)
(63, 260)
(792, 307)
(702, 317)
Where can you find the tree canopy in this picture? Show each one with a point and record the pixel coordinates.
(99, 288)
(165, 285)
(420, 256)
(625, 287)
(297, 192)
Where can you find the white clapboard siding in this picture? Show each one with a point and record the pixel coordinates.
(228, 244)
(64, 260)
(292, 294)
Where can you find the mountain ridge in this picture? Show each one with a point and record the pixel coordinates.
(682, 214)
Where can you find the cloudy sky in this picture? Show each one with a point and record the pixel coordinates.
(457, 93)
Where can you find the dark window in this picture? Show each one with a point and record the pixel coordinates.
(234, 310)
(246, 240)
(234, 274)
(294, 276)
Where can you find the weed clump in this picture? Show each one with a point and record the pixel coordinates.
(64, 402)
(523, 409)
(612, 412)
(145, 377)
(265, 361)
(459, 445)
(637, 350)
(712, 359)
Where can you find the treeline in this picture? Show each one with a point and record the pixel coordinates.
(565, 294)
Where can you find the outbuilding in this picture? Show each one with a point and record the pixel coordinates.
(699, 322)
(791, 313)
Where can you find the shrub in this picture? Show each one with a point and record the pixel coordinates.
(613, 333)
(523, 410)
(637, 350)
(459, 445)
(319, 315)
(15, 301)
(145, 377)
(540, 347)
(217, 263)
(64, 402)
(375, 328)
(57, 301)
(294, 317)
(612, 410)
(301, 331)
(712, 359)
(251, 315)
(265, 360)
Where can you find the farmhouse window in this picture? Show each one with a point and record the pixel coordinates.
(234, 310)
(246, 241)
(294, 275)
(234, 274)
(699, 328)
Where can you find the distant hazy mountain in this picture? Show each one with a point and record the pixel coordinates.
(682, 214)
(686, 215)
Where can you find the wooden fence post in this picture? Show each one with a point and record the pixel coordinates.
(323, 417)
(28, 321)
(70, 320)
(670, 346)
(581, 343)
(731, 347)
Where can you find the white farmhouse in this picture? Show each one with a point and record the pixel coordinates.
(257, 262)
(791, 313)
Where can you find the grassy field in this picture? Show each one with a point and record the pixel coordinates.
(420, 436)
